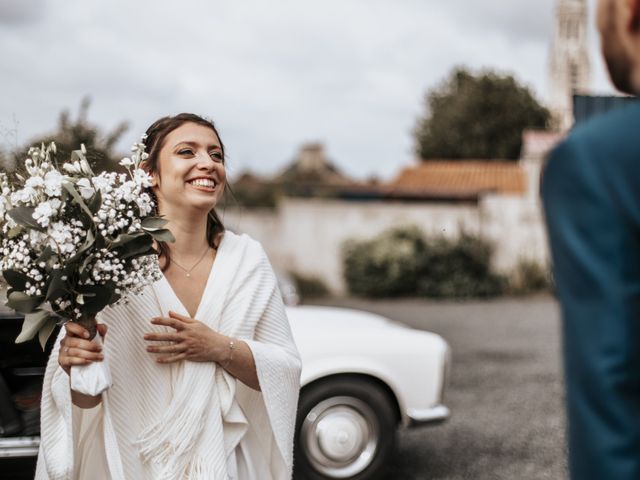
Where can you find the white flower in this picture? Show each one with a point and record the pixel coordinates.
(43, 213)
(25, 195)
(126, 162)
(142, 178)
(73, 168)
(104, 182)
(84, 167)
(34, 182)
(85, 188)
(53, 183)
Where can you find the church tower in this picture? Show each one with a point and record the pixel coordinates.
(569, 65)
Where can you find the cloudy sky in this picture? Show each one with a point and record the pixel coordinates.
(349, 73)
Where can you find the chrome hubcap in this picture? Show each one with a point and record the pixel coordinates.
(340, 436)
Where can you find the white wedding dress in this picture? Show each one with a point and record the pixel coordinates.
(153, 412)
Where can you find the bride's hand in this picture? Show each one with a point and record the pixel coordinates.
(75, 349)
(192, 340)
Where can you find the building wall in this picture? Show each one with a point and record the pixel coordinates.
(305, 235)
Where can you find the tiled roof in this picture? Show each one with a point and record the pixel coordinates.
(462, 177)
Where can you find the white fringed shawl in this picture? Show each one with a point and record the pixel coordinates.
(184, 420)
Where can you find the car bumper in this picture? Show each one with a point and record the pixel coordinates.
(19, 447)
(432, 415)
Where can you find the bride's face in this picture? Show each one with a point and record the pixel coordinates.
(191, 174)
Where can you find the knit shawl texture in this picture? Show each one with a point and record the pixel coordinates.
(184, 420)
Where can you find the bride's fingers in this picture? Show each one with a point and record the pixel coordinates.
(86, 354)
(67, 362)
(174, 348)
(163, 337)
(102, 329)
(171, 358)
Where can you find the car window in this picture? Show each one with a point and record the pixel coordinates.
(3, 298)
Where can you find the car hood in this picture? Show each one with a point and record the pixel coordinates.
(344, 318)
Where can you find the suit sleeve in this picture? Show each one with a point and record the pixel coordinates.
(595, 250)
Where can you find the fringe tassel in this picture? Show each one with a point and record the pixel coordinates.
(169, 441)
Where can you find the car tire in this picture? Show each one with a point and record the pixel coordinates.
(345, 429)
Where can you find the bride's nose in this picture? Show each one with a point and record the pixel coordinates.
(205, 160)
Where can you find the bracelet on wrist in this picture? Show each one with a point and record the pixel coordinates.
(232, 346)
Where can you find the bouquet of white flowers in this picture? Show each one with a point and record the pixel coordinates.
(72, 242)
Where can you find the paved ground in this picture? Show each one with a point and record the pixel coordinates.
(505, 393)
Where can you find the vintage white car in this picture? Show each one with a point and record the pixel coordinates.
(363, 377)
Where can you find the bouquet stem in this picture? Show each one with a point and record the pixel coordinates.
(90, 324)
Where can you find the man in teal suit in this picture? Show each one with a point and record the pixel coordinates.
(591, 195)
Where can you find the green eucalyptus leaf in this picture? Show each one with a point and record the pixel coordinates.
(17, 280)
(31, 324)
(69, 187)
(89, 241)
(57, 286)
(163, 235)
(96, 202)
(85, 263)
(125, 238)
(14, 232)
(24, 216)
(46, 255)
(45, 332)
(22, 302)
(136, 247)
(96, 297)
(153, 223)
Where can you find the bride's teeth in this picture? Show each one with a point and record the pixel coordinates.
(203, 183)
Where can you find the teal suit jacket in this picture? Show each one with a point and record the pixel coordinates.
(591, 197)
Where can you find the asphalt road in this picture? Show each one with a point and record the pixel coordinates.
(505, 391)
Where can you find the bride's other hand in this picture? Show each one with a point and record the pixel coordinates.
(75, 349)
(192, 340)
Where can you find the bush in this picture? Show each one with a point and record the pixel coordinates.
(530, 277)
(402, 261)
(310, 287)
(460, 268)
(389, 265)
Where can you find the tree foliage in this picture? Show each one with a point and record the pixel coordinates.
(69, 134)
(477, 116)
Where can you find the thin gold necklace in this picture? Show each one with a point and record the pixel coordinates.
(188, 272)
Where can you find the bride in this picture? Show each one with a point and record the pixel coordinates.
(205, 370)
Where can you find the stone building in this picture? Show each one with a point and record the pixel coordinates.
(569, 64)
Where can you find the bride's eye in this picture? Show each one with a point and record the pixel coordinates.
(185, 151)
(216, 155)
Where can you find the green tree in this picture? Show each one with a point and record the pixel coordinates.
(477, 116)
(69, 134)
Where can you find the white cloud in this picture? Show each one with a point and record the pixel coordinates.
(351, 73)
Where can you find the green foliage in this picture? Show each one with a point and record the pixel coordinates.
(389, 265)
(477, 116)
(69, 134)
(530, 277)
(309, 286)
(403, 262)
(459, 268)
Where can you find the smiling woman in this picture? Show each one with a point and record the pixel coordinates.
(205, 370)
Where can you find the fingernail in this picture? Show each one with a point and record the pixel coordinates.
(86, 334)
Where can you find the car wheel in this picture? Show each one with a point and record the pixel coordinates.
(346, 429)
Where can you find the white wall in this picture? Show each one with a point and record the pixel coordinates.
(305, 235)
